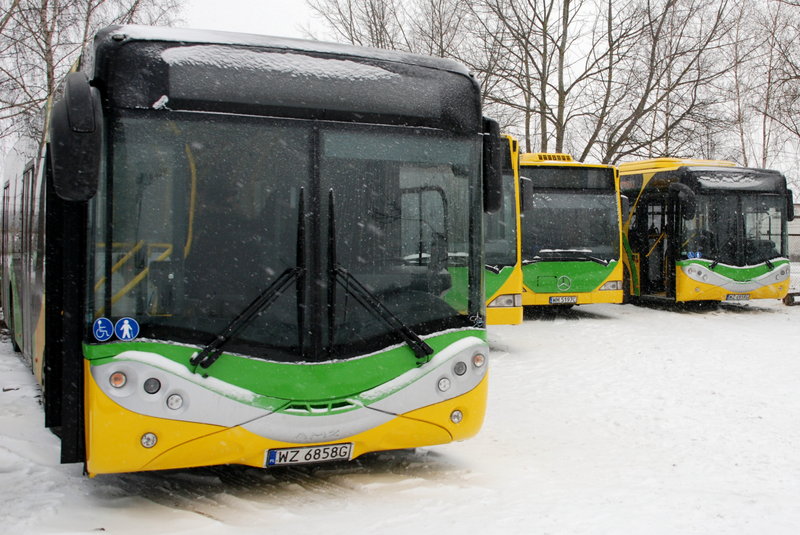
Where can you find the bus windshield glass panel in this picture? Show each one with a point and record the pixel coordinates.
(571, 225)
(401, 216)
(735, 229)
(200, 214)
(500, 240)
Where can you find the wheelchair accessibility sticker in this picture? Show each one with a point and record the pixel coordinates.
(103, 329)
(126, 329)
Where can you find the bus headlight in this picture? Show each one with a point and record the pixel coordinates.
(456, 416)
(612, 285)
(478, 360)
(506, 300)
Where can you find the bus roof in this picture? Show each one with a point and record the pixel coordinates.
(142, 67)
(551, 159)
(669, 164)
(700, 175)
(194, 36)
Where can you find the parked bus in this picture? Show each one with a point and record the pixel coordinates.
(705, 230)
(503, 244)
(259, 251)
(571, 238)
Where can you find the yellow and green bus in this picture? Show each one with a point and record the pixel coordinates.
(259, 251)
(502, 245)
(571, 241)
(705, 230)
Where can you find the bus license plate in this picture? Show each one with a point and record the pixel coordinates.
(737, 297)
(563, 299)
(309, 454)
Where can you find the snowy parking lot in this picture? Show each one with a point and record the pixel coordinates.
(606, 419)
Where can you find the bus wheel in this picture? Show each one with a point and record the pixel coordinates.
(788, 300)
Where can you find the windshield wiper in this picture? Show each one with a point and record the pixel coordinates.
(366, 298)
(212, 351)
(596, 259)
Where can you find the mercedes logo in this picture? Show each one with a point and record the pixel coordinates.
(564, 283)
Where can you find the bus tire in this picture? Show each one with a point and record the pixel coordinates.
(788, 300)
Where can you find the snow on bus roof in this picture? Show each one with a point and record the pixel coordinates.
(296, 65)
(195, 36)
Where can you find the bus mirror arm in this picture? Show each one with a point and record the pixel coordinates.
(625, 205)
(686, 197)
(525, 194)
(75, 139)
(493, 151)
(790, 206)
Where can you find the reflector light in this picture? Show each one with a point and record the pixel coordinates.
(478, 360)
(149, 440)
(118, 379)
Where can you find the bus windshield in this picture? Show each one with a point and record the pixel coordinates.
(738, 229)
(501, 228)
(571, 225)
(199, 214)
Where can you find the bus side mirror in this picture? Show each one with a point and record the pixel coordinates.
(75, 139)
(686, 198)
(790, 206)
(493, 153)
(525, 194)
(625, 204)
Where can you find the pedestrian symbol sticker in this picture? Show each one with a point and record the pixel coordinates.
(126, 329)
(103, 329)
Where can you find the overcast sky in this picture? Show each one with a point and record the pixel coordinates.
(285, 18)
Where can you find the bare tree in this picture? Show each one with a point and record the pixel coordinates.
(438, 27)
(375, 23)
(663, 96)
(755, 80)
(42, 39)
(7, 13)
(610, 79)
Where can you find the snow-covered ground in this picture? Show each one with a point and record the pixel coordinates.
(608, 419)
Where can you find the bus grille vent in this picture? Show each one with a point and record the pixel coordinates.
(320, 408)
(552, 157)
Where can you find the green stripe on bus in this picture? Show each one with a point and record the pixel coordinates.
(735, 273)
(296, 381)
(494, 281)
(585, 276)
